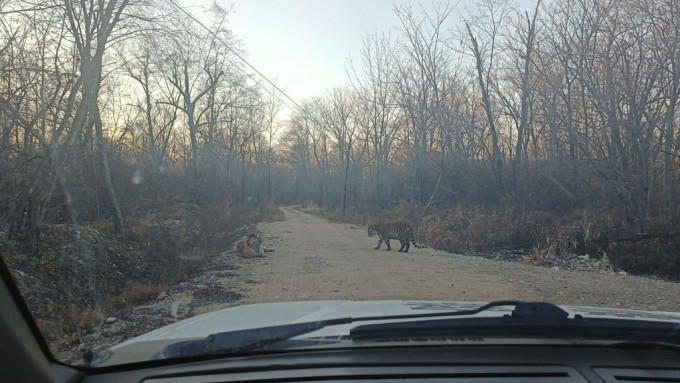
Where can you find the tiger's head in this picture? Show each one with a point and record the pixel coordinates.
(253, 240)
(372, 230)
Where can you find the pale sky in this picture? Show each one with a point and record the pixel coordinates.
(303, 45)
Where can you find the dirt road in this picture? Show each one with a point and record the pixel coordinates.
(317, 260)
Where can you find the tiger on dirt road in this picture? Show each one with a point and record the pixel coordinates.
(252, 245)
(393, 230)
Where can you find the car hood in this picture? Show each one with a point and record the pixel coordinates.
(282, 313)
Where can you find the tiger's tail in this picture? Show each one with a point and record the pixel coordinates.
(417, 245)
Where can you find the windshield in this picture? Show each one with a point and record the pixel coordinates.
(333, 159)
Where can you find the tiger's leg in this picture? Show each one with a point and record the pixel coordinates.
(387, 242)
(401, 240)
(407, 245)
(380, 241)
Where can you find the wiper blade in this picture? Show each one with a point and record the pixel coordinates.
(243, 340)
(532, 319)
(527, 318)
(525, 313)
(260, 338)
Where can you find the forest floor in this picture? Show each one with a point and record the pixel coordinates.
(315, 259)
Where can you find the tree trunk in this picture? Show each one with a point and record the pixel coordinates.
(669, 130)
(229, 193)
(101, 144)
(195, 171)
(34, 220)
(68, 200)
(344, 188)
(497, 161)
(269, 171)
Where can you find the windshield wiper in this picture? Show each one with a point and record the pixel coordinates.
(243, 340)
(532, 319)
(527, 318)
(259, 338)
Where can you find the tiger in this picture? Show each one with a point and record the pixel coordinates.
(393, 230)
(252, 245)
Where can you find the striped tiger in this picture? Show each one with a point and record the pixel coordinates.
(393, 230)
(252, 245)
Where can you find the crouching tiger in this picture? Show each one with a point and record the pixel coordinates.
(252, 245)
(393, 230)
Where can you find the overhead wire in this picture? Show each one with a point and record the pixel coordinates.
(240, 57)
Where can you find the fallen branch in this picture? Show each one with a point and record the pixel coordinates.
(640, 236)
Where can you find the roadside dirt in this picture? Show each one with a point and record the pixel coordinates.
(315, 259)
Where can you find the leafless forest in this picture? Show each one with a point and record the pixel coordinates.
(562, 118)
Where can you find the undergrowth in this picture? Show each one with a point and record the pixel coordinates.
(88, 273)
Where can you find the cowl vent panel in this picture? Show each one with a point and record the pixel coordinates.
(480, 374)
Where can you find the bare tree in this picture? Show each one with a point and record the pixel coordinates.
(664, 20)
(92, 24)
(523, 63)
(38, 94)
(194, 71)
(272, 108)
(378, 116)
(159, 111)
(344, 129)
(493, 15)
(422, 83)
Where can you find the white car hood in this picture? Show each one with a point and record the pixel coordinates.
(282, 313)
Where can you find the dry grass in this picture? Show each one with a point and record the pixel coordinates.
(66, 323)
(134, 293)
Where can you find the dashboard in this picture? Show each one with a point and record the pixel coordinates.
(429, 364)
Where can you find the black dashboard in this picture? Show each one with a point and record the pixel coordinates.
(429, 364)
